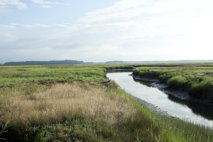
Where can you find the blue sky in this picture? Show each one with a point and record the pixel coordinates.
(105, 30)
(60, 12)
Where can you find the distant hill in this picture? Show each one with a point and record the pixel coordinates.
(73, 62)
(169, 61)
(115, 62)
(63, 62)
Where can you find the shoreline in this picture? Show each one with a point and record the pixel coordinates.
(178, 94)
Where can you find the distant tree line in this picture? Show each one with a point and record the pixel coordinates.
(63, 62)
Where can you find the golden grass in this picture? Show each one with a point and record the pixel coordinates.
(65, 101)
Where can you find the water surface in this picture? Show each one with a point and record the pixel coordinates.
(161, 100)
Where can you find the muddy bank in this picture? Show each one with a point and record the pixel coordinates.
(110, 70)
(200, 107)
(178, 94)
(130, 68)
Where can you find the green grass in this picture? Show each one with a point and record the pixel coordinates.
(22, 82)
(198, 81)
(10, 76)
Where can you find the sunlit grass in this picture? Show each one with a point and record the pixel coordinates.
(10, 76)
(66, 100)
(94, 109)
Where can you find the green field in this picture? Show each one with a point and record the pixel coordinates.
(76, 103)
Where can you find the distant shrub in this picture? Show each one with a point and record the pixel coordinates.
(202, 90)
(165, 76)
(177, 82)
(147, 73)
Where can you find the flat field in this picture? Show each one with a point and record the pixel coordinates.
(77, 103)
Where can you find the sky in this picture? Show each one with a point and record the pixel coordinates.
(105, 30)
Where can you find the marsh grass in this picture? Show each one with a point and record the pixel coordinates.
(76, 111)
(196, 81)
(74, 103)
(65, 101)
(11, 76)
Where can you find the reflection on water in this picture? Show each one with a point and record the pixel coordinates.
(200, 109)
(195, 113)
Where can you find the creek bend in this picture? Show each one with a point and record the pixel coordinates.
(163, 103)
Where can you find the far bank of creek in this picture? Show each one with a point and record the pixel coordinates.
(164, 102)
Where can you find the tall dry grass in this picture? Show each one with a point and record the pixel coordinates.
(65, 101)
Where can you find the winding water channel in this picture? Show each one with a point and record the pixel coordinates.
(193, 113)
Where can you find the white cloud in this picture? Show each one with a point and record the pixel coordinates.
(45, 3)
(127, 30)
(7, 37)
(128, 9)
(16, 3)
(149, 25)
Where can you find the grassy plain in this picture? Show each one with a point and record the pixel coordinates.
(76, 103)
